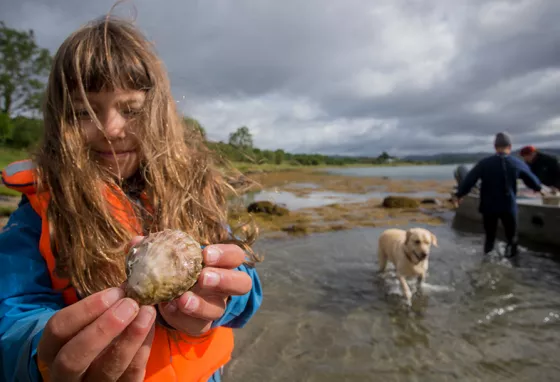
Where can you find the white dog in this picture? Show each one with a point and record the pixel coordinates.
(409, 252)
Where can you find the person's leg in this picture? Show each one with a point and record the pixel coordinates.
(490, 224)
(509, 221)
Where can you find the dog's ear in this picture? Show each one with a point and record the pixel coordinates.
(434, 240)
(408, 235)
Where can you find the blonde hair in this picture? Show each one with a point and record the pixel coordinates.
(183, 184)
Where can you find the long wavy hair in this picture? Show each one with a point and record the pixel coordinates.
(179, 175)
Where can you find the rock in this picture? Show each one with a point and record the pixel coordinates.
(296, 229)
(431, 201)
(267, 207)
(400, 202)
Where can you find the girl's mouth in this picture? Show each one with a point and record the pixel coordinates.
(117, 154)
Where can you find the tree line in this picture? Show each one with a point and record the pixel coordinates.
(24, 68)
(240, 148)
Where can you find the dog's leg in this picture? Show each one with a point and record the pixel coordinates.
(382, 259)
(420, 283)
(406, 290)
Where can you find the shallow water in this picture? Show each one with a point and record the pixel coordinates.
(327, 316)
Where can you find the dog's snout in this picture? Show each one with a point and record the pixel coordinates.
(423, 255)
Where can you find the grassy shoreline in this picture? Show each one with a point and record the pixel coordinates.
(8, 155)
(248, 168)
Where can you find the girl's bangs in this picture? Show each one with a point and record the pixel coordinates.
(105, 62)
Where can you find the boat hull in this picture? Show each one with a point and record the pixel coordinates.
(536, 222)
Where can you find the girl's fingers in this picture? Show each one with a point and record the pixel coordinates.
(209, 308)
(227, 282)
(227, 256)
(113, 363)
(136, 371)
(66, 323)
(75, 357)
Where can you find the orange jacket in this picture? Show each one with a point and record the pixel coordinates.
(193, 359)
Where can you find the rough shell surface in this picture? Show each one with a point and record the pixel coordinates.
(163, 266)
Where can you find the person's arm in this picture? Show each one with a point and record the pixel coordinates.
(528, 177)
(27, 299)
(470, 180)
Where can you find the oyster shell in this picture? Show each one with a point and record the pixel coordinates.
(163, 266)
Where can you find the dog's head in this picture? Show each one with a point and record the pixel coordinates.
(419, 241)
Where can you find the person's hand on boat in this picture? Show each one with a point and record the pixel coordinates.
(103, 337)
(194, 311)
(456, 201)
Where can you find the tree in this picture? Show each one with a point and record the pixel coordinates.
(6, 128)
(196, 126)
(241, 138)
(384, 156)
(26, 132)
(23, 68)
(279, 156)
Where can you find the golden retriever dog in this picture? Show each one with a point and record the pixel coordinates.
(408, 251)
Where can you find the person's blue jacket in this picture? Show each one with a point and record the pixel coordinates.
(498, 190)
(27, 300)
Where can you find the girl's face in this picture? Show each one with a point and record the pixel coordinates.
(118, 112)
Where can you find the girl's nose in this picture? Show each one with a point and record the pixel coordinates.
(115, 125)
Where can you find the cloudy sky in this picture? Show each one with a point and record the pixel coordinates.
(347, 76)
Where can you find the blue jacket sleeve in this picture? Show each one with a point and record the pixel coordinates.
(470, 180)
(528, 177)
(27, 300)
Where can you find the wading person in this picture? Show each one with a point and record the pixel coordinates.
(498, 174)
(116, 163)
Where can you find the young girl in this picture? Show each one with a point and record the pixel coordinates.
(116, 163)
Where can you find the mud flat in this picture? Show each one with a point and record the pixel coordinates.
(314, 201)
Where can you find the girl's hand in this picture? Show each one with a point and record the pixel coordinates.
(103, 337)
(194, 311)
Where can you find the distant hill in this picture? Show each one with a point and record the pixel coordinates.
(455, 158)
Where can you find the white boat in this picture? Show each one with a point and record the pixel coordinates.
(538, 216)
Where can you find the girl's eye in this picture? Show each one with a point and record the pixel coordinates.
(83, 114)
(131, 112)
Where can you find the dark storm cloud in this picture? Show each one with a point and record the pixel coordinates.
(352, 77)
